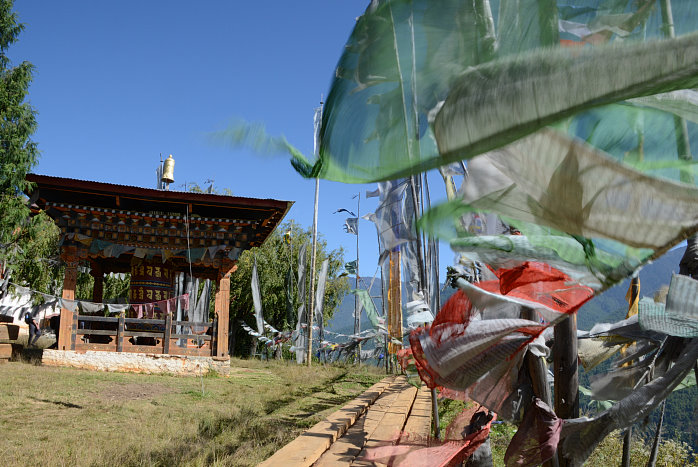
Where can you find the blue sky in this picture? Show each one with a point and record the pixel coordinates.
(118, 83)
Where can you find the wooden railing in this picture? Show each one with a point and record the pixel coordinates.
(122, 339)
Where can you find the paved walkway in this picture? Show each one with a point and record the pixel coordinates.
(373, 418)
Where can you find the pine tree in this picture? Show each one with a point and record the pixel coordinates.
(18, 153)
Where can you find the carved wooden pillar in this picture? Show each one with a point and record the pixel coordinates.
(223, 308)
(70, 256)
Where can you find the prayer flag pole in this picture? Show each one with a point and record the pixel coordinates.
(566, 373)
(311, 310)
(357, 311)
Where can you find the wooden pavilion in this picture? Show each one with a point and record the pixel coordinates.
(117, 228)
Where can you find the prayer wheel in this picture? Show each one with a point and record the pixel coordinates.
(151, 281)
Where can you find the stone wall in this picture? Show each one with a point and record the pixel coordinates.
(136, 362)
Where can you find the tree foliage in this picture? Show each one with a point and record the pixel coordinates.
(18, 153)
(275, 258)
(35, 254)
(672, 453)
(211, 189)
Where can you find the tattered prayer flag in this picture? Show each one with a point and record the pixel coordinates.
(478, 343)
(344, 210)
(367, 304)
(536, 438)
(350, 267)
(389, 217)
(680, 315)
(300, 342)
(552, 180)
(418, 313)
(373, 194)
(257, 299)
(580, 436)
(410, 77)
(632, 300)
(351, 225)
(455, 168)
(320, 297)
(467, 433)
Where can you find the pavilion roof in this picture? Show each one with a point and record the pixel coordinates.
(155, 220)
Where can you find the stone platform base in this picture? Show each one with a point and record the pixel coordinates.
(137, 362)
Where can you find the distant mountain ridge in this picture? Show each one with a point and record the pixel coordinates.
(343, 319)
(608, 307)
(611, 306)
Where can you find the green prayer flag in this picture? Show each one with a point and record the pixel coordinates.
(365, 299)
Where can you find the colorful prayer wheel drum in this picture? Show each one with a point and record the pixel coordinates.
(151, 281)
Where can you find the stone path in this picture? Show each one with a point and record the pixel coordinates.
(373, 418)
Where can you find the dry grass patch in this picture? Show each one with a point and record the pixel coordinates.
(76, 417)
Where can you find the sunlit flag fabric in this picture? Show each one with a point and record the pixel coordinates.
(581, 436)
(536, 438)
(371, 313)
(421, 84)
(477, 341)
(350, 267)
(390, 216)
(257, 299)
(593, 263)
(680, 316)
(299, 342)
(351, 225)
(344, 210)
(320, 298)
(551, 180)
(574, 192)
(466, 432)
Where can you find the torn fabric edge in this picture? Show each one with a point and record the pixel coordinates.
(581, 435)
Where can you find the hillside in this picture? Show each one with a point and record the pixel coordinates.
(343, 319)
(611, 306)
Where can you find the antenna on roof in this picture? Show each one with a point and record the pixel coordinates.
(159, 185)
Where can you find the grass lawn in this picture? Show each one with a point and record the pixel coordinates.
(64, 416)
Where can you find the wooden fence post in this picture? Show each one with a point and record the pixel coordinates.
(168, 332)
(214, 336)
(74, 330)
(120, 333)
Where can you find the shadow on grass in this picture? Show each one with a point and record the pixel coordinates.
(25, 355)
(229, 440)
(217, 439)
(61, 403)
(274, 405)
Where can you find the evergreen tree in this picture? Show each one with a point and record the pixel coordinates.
(18, 153)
